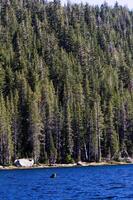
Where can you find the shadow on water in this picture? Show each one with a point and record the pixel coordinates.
(115, 186)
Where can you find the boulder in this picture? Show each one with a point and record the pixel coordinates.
(126, 159)
(53, 175)
(80, 163)
(129, 160)
(23, 162)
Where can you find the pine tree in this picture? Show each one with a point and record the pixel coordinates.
(35, 127)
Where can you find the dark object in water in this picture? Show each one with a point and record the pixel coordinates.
(53, 175)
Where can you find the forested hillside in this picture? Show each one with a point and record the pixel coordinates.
(66, 81)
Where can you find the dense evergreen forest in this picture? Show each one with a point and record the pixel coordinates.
(66, 81)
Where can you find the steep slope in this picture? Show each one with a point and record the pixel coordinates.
(66, 81)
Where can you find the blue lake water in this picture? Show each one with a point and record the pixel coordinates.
(79, 183)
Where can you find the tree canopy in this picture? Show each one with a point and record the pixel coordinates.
(66, 81)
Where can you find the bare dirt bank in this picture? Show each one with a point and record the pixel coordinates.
(82, 164)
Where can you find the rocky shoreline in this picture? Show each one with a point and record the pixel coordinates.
(79, 164)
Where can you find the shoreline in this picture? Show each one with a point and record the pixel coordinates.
(80, 164)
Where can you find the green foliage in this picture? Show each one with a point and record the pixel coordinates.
(69, 159)
(66, 81)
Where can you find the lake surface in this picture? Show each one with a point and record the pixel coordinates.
(79, 183)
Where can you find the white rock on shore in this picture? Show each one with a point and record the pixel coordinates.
(23, 162)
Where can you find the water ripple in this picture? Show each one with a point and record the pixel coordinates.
(99, 183)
